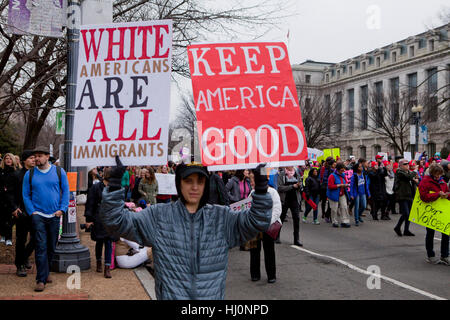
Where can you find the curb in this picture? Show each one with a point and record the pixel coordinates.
(147, 281)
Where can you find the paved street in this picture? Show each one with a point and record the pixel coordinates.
(332, 263)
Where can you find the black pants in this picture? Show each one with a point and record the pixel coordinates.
(6, 223)
(23, 249)
(429, 244)
(269, 258)
(405, 209)
(378, 204)
(292, 204)
(390, 205)
(323, 199)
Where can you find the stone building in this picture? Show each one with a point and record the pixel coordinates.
(383, 86)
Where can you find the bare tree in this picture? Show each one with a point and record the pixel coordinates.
(320, 115)
(33, 69)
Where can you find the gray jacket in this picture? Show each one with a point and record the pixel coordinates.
(234, 192)
(190, 251)
(284, 188)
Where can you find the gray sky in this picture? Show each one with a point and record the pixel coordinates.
(336, 30)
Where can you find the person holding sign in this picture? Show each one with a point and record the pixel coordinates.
(431, 188)
(190, 238)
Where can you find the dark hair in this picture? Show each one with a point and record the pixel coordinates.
(362, 160)
(106, 174)
(312, 170)
(356, 166)
(340, 166)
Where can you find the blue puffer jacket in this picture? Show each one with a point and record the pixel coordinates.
(190, 251)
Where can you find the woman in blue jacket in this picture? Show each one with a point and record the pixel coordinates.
(359, 191)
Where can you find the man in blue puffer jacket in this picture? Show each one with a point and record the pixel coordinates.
(190, 238)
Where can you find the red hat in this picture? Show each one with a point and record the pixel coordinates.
(412, 163)
(373, 164)
(395, 165)
(386, 163)
(378, 157)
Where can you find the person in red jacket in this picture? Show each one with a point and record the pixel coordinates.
(431, 188)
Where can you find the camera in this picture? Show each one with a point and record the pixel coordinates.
(83, 227)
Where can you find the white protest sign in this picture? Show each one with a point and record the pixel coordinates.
(166, 184)
(407, 155)
(122, 103)
(242, 205)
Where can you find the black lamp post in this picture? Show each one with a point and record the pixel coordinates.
(69, 251)
(416, 110)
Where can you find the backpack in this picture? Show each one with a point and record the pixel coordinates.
(58, 171)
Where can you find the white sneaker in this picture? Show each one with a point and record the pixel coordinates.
(8, 242)
(433, 260)
(445, 261)
(2, 240)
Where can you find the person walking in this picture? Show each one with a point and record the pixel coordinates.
(191, 239)
(359, 192)
(325, 172)
(337, 196)
(98, 233)
(289, 188)
(377, 188)
(431, 188)
(24, 249)
(148, 187)
(8, 167)
(312, 191)
(46, 197)
(389, 182)
(404, 190)
(268, 243)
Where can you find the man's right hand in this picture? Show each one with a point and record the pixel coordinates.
(16, 212)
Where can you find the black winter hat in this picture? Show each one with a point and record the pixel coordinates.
(26, 154)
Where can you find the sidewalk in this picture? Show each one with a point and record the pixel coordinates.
(124, 284)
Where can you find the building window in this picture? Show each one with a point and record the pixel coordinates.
(339, 74)
(394, 56)
(357, 65)
(422, 43)
(378, 62)
(363, 152)
(350, 70)
(376, 149)
(402, 50)
(379, 104)
(327, 77)
(411, 51)
(339, 111)
(364, 66)
(364, 102)
(394, 101)
(349, 152)
(432, 76)
(431, 42)
(431, 149)
(327, 111)
(351, 109)
(370, 61)
(308, 78)
(412, 95)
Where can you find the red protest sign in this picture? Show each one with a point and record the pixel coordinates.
(247, 105)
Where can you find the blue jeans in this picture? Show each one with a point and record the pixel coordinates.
(309, 208)
(405, 209)
(45, 232)
(360, 206)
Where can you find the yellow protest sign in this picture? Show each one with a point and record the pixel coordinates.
(434, 215)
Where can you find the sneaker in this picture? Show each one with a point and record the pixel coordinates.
(304, 219)
(316, 222)
(21, 271)
(385, 218)
(432, 260)
(445, 261)
(327, 220)
(40, 286)
(335, 225)
(28, 264)
(272, 280)
(408, 234)
(356, 223)
(2, 240)
(8, 242)
(398, 231)
(361, 220)
(345, 225)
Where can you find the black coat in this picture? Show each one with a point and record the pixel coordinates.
(312, 186)
(8, 189)
(94, 199)
(217, 192)
(377, 184)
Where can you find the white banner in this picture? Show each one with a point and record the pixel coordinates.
(166, 184)
(122, 104)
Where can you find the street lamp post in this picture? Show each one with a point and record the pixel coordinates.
(416, 110)
(69, 251)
